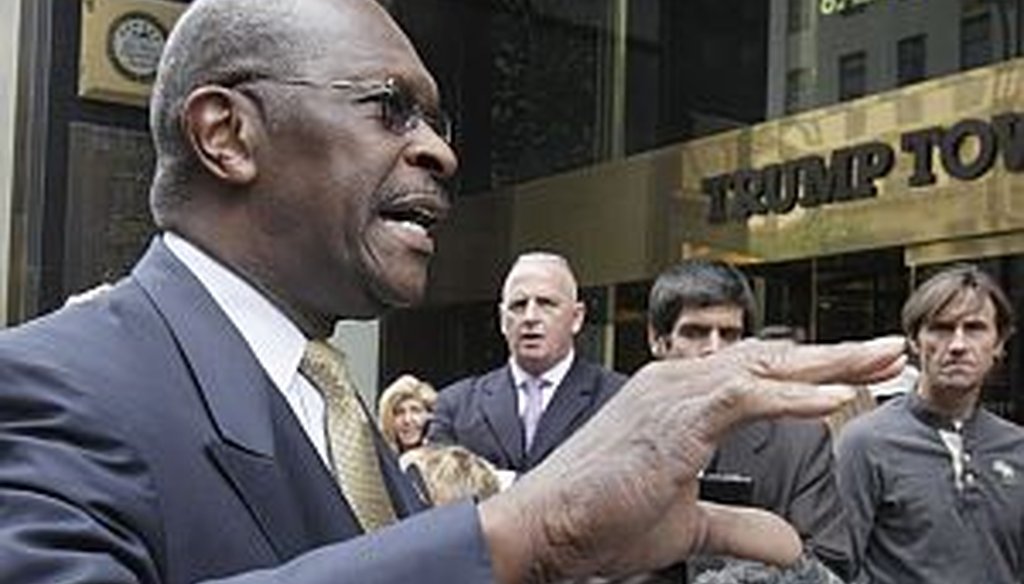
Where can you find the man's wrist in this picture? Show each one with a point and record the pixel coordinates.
(507, 539)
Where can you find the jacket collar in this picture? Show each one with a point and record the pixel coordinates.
(230, 378)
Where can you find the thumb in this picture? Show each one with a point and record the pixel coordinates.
(745, 532)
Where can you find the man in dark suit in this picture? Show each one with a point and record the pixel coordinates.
(514, 416)
(163, 431)
(697, 308)
(180, 427)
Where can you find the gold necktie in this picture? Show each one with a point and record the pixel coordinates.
(349, 437)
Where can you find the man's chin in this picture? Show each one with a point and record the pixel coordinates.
(405, 298)
(394, 293)
(377, 303)
(957, 384)
(534, 364)
(395, 280)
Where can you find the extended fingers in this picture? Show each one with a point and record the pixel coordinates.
(772, 398)
(766, 398)
(849, 362)
(785, 379)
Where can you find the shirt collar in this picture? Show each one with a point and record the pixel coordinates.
(920, 409)
(276, 341)
(553, 376)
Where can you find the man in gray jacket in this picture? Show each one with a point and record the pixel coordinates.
(934, 483)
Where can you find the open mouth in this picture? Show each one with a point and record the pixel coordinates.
(414, 220)
(531, 338)
(417, 218)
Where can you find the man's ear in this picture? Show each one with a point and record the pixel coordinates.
(579, 315)
(913, 347)
(1000, 351)
(657, 343)
(501, 318)
(221, 126)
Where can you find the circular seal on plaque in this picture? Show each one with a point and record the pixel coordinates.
(134, 43)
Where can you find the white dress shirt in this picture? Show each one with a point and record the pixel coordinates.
(275, 341)
(553, 377)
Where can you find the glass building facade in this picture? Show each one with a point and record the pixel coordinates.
(541, 87)
(644, 96)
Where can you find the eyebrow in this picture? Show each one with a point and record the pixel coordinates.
(538, 297)
(426, 94)
(704, 326)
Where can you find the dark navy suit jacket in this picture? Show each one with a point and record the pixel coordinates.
(481, 413)
(141, 442)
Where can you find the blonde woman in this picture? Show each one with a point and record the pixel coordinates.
(405, 408)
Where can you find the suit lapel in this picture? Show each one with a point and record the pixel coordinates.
(290, 501)
(739, 452)
(572, 399)
(500, 410)
(270, 487)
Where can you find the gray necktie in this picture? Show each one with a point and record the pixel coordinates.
(534, 387)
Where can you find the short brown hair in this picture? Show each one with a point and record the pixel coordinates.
(939, 291)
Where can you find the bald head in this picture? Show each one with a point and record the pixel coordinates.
(230, 42)
(287, 148)
(556, 266)
(540, 313)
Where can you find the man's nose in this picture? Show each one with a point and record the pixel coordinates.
(432, 152)
(713, 343)
(958, 342)
(532, 311)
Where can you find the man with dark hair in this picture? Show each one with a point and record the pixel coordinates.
(699, 307)
(517, 414)
(934, 483)
(699, 284)
(191, 424)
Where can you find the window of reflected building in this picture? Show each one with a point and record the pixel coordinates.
(797, 16)
(797, 87)
(976, 40)
(853, 75)
(912, 59)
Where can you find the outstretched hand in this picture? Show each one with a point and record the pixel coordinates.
(620, 496)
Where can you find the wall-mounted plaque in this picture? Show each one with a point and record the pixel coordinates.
(121, 45)
(107, 223)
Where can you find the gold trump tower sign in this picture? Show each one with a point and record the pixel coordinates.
(966, 150)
